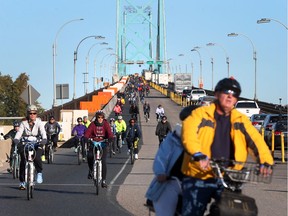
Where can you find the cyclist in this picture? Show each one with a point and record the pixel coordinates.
(86, 121)
(120, 129)
(113, 130)
(217, 131)
(117, 110)
(10, 135)
(31, 126)
(146, 109)
(52, 129)
(134, 111)
(98, 131)
(159, 112)
(78, 133)
(133, 136)
(162, 129)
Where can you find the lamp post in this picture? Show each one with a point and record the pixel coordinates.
(54, 47)
(201, 80)
(109, 54)
(109, 48)
(212, 64)
(254, 58)
(227, 58)
(75, 59)
(268, 20)
(87, 65)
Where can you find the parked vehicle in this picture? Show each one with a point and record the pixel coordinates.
(247, 107)
(196, 94)
(257, 120)
(279, 127)
(205, 101)
(269, 121)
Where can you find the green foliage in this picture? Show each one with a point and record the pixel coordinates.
(11, 104)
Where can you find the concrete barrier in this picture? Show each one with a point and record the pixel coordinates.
(5, 146)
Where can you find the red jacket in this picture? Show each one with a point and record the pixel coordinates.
(99, 132)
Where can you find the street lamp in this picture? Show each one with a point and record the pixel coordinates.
(227, 58)
(268, 20)
(87, 65)
(54, 46)
(254, 58)
(201, 80)
(109, 48)
(212, 64)
(75, 59)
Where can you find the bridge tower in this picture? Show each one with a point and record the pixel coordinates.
(139, 40)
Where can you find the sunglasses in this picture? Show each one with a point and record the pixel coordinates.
(100, 117)
(32, 113)
(79, 121)
(132, 122)
(228, 91)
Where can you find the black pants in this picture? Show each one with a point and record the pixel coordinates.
(83, 143)
(54, 139)
(130, 143)
(148, 114)
(37, 162)
(90, 159)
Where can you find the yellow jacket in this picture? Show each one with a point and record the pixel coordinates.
(198, 132)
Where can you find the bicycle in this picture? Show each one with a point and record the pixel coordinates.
(30, 154)
(232, 201)
(49, 151)
(97, 165)
(119, 141)
(132, 153)
(15, 164)
(81, 155)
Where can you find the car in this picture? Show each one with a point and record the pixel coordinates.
(278, 128)
(247, 107)
(269, 121)
(196, 94)
(205, 101)
(257, 120)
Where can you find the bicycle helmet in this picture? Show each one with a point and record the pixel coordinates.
(79, 119)
(120, 117)
(16, 124)
(132, 119)
(51, 117)
(164, 117)
(229, 84)
(31, 108)
(112, 119)
(100, 113)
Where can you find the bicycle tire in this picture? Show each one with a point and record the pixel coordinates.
(50, 155)
(79, 155)
(16, 166)
(97, 185)
(14, 172)
(132, 158)
(119, 144)
(28, 183)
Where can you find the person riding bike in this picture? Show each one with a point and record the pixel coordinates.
(218, 131)
(146, 109)
(10, 135)
(32, 126)
(162, 129)
(52, 129)
(120, 129)
(133, 136)
(98, 130)
(86, 121)
(114, 132)
(134, 111)
(117, 110)
(78, 133)
(159, 112)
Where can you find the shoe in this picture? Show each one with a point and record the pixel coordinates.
(113, 153)
(43, 158)
(148, 119)
(136, 156)
(90, 174)
(76, 150)
(22, 186)
(39, 178)
(9, 170)
(104, 184)
(128, 152)
(123, 143)
(83, 159)
(55, 150)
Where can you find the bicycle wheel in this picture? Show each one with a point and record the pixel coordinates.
(97, 185)
(132, 155)
(119, 144)
(79, 155)
(14, 173)
(28, 183)
(50, 155)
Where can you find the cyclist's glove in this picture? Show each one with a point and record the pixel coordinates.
(199, 156)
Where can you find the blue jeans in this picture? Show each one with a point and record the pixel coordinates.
(197, 194)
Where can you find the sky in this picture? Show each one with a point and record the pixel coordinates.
(29, 29)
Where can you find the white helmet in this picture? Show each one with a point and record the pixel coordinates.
(120, 117)
(31, 108)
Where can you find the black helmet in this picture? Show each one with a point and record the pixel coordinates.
(228, 84)
(16, 124)
(51, 117)
(100, 113)
(164, 117)
(79, 119)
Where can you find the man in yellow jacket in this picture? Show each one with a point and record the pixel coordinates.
(217, 131)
